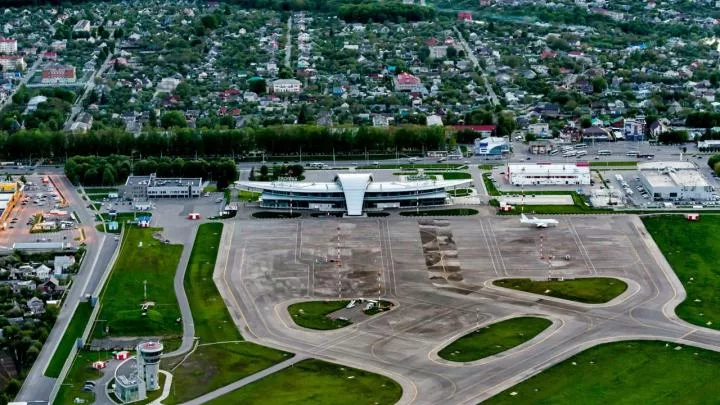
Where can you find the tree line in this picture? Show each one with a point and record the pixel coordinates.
(113, 170)
(386, 11)
(218, 142)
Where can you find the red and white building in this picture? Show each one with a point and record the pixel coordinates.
(59, 74)
(547, 174)
(12, 62)
(286, 86)
(8, 45)
(407, 82)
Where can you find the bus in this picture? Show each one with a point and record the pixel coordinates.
(580, 146)
(569, 153)
(581, 153)
(604, 152)
(631, 153)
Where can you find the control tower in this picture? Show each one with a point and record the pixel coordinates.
(148, 364)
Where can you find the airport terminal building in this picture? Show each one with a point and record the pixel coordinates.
(674, 181)
(352, 193)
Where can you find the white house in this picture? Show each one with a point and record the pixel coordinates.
(62, 263)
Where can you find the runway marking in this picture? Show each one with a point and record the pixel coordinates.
(498, 252)
(581, 247)
(490, 252)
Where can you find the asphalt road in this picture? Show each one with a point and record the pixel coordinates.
(263, 265)
(100, 249)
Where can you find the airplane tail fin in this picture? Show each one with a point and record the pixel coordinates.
(523, 218)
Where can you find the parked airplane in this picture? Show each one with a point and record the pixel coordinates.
(539, 223)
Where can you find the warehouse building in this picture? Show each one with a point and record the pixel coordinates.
(352, 193)
(10, 194)
(548, 174)
(674, 181)
(491, 146)
(148, 187)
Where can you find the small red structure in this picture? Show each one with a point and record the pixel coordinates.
(99, 365)
(464, 16)
(193, 215)
(693, 216)
(123, 355)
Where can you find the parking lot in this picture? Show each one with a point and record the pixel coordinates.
(41, 208)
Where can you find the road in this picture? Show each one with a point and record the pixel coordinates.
(89, 86)
(288, 43)
(100, 249)
(471, 54)
(259, 280)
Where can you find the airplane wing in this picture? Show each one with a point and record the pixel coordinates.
(542, 225)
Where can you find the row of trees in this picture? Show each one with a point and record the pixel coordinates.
(379, 12)
(114, 169)
(211, 142)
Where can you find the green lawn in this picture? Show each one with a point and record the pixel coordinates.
(211, 367)
(244, 195)
(634, 372)
(460, 192)
(451, 212)
(693, 251)
(313, 314)
(100, 190)
(591, 290)
(452, 175)
(75, 329)
(155, 263)
(214, 366)
(212, 188)
(494, 339)
(486, 167)
(406, 166)
(276, 214)
(81, 371)
(318, 383)
(211, 318)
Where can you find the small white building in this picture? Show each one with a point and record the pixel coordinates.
(540, 130)
(286, 86)
(541, 174)
(674, 181)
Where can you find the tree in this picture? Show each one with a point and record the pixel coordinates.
(257, 85)
(585, 122)
(173, 119)
(529, 137)
(17, 343)
(599, 84)
(108, 176)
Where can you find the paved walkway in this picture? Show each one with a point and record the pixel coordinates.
(247, 380)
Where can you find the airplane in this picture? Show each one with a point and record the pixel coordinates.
(539, 223)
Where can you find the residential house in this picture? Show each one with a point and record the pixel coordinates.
(434, 120)
(407, 82)
(438, 51)
(597, 134)
(61, 264)
(82, 26)
(35, 305)
(42, 272)
(12, 62)
(540, 130)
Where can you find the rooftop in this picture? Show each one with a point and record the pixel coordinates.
(153, 181)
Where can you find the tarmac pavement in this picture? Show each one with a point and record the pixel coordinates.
(263, 265)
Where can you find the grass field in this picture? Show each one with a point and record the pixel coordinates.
(154, 262)
(81, 371)
(406, 166)
(75, 329)
(215, 365)
(100, 190)
(591, 290)
(693, 251)
(451, 175)
(319, 383)
(494, 339)
(460, 192)
(211, 318)
(244, 195)
(313, 314)
(634, 372)
(275, 214)
(448, 212)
